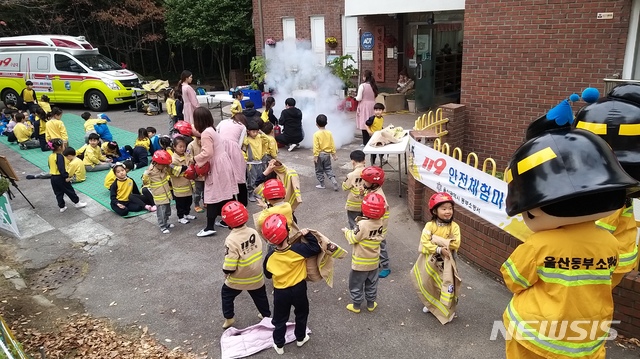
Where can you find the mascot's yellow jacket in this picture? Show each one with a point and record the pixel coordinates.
(622, 225)
(555, 279)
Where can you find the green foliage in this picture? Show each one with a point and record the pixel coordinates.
(258, 68)
(4, 185)
(342, 67)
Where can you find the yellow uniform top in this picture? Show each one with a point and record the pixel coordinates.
(43, 125)
(323, 142)
(77, 169)
(365, 240)
(45, 106)
(236, 107)
(57, 164)
(158, 183)
(145, 142)
(107, 151)
(92, 155)
(378, 123)
(181, 185)
(27, 95)
(385, 217)
(558, 275)
(23, 132)
(444, 230)
(122, 189)
(243, 259)
(255, 147)
(265, 116)
(171, 107)
(272, 146)
(56, 129)
(283, 208)
(353, 184)
(288, 266)
(108, 179)
(622, 225)
(88, 124)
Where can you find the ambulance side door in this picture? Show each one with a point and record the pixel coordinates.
(40, 74)
(66, 82)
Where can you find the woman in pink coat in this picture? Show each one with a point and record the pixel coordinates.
(366, 97)
(233, 131)
(188, 94)
(219, 184)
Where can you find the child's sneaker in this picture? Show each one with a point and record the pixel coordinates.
(279, 350)
(384, 273)
(63, 209)
(81, 204)
(372, 307)
(220, 223)
(228, 322)
(171, 225)
(320, 186)
(165, 230)
(188, 216)
(425, 310)
(300, 343)
(198, 209)
(183, 220)
(335, 184)
(352, 308)
(150, 208)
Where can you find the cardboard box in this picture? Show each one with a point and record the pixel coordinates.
(392, 101)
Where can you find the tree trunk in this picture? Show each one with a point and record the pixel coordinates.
(155, 46)
(220, 60)
(144, 71)
(182, 57)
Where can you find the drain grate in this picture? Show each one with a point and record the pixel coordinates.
(54, 276)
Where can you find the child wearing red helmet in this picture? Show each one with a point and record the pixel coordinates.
(156, 179)
(286, 265)
(365, 240)
(439, 242)
(373, 177)
(242, 263)
(193, 149)
(274, 194)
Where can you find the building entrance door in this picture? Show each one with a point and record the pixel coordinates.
(422, 43)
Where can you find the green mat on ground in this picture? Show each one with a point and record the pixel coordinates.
(93, 186)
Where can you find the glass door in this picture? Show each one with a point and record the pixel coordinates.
(422, 43)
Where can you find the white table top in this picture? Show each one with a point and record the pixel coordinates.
(390, 149)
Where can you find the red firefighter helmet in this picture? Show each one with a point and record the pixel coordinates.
(183, 127)
(234, 214)
(373, 205)
(273, 189)
(190, 173)
(274, 229)
(438, 199)
(161, 157)
(373, 174)
(203, 170)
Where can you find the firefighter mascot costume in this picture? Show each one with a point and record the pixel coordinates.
(616, 119)
(562, 180)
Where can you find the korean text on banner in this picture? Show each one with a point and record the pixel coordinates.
(476, 191)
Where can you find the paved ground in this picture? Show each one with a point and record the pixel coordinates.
(132, 273)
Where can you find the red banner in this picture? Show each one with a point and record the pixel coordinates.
(378, 54)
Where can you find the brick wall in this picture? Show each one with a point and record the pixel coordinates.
(523, 57)
(274, 10)
(488, 247)
(391, 27)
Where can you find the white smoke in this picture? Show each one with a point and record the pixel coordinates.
(293, 71)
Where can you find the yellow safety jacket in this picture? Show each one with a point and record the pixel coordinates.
(243, 259)
(291, 181)
(561, 276)
(182, 187)
(158, 183)
(365, 240)
(385, 217)
(622, 224)
(353, 184)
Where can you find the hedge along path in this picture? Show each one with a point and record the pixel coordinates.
(93, 186)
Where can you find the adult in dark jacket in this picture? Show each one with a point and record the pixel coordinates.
(252, 115)
(291, 119)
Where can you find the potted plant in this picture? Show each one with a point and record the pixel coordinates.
(332, 42)
(258, 68)
(411, 101)
(4, 185)
(342, 67)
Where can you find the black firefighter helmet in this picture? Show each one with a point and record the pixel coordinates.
(561, 165)
(616, 119)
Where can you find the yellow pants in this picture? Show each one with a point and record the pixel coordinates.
(516, 351)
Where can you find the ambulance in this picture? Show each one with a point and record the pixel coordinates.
(68, 69)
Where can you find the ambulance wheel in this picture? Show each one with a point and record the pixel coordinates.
(10, 95)
(96, 101)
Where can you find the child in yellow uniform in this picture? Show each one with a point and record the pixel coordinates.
(111, 176)
(365, 240)
(23, 131)
(254, 148)
(141, 149)
(271, 143)
(60, 180)
(353, 183)
(41, 129)
(93, 158)
(77, 171)
(193, 149)
(89, 123)
(242, 263)
(29, 98)
(170, 104)
(236, 106)
(182, 187)
(156, 178)
(373, 179)
(125, 195)
(323, 150)
(44, 104)
(55, 126)
(274, 193)
(376, 123)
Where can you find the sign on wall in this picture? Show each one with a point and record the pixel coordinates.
(474, 190)
(378, 54)
(367, 41)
